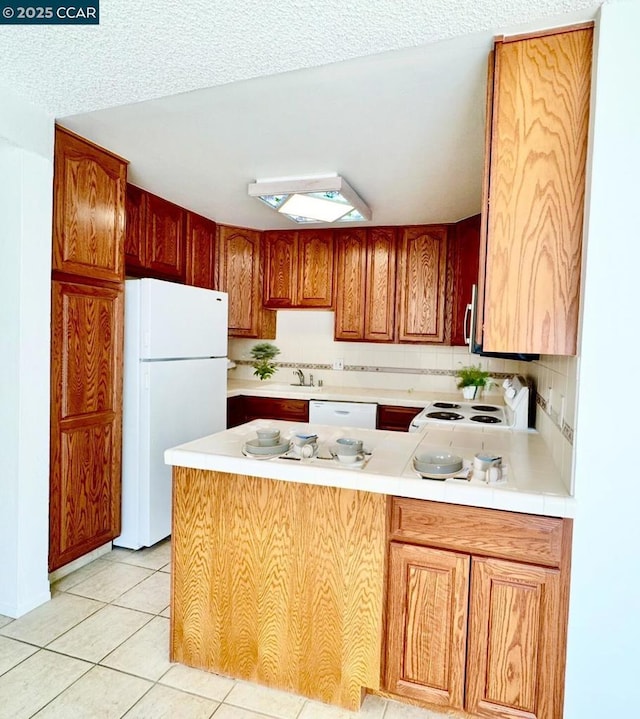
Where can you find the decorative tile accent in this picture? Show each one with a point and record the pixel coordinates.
(372, 368)
(566, 429)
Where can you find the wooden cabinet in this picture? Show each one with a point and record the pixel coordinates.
(240, 275)
(534, 189)
(155, 241)
(235, 411)
(427, 624)
(422, 281)
(512, 572)
(200, 249)
(89, 215)
(365, 284)
(86, 348)
(86, 416)
(464, 253)
(298, 269)
(292, 410)
(395, 418)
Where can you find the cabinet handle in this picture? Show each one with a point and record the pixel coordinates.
(467, 335)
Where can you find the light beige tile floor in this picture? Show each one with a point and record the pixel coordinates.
(100, 650)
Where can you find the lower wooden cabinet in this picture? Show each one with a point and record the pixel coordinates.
(471, 631)
(427, 624)
(246, 408)
(394, 418)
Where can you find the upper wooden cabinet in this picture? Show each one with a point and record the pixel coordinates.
(200, 247)
(298, 268)
(464, 253)
(89, 209)
(535, 183)
(422, 281)
(365, 284)
(240, 276)
(155, 241)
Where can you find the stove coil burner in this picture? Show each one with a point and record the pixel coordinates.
(446, 405)
(450, 416)
(485, 419)
(484, 408)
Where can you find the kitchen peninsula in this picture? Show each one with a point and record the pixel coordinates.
(280, 566)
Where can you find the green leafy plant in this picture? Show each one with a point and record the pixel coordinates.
(473, 376)
(263, 354)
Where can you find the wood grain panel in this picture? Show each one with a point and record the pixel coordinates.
(351, 267)
(240, 274)
(427, 624)
(89, 209)
(164, 242)
(315, 269)
(380, 306)
(280, 268)
(489, 532)
(279, 583)
(514, 633)
(134, 240)
(536, 191)
(422, 259)
(394, 418)
(464, 253)
(200, 244)
(86, 416)
(293, 410)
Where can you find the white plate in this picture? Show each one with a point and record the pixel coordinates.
(460, 474)
(253, 449)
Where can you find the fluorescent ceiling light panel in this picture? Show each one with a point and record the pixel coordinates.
(312, 199)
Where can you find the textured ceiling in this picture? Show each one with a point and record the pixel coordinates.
(204, 97)
(144, 50)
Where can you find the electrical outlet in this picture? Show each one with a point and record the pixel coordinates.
(338, 363)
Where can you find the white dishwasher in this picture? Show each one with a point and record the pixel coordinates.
(343, 414)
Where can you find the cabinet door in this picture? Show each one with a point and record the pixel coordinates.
(200, 248)
(380, 305)
(86, 415)
(292, 410)
(89, 209)
(315, 268)
(536, 193)
(516, 644)
(351, 269)
(280, 268)
(427, 624)
(464, 253)
(134, 238)
(240, 275)
(235, 411)
(396, 418)
(422, 263)
(164, 244)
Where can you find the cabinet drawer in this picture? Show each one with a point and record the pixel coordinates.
(486, 532)
(292, 410)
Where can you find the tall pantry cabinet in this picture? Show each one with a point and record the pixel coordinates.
(86, 348)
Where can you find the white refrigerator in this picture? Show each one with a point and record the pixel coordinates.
(175, 390)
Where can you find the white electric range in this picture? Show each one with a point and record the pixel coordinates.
(514, 414)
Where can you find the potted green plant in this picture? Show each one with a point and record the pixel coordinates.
(263, 354)
(472, 379)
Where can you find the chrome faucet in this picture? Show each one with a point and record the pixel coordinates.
(300, 374)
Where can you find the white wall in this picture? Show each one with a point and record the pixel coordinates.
(604, 622)
(26, 170)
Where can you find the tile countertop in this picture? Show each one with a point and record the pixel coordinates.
(533, 484)
(398, 397)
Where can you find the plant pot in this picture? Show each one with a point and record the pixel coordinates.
(472, 391)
